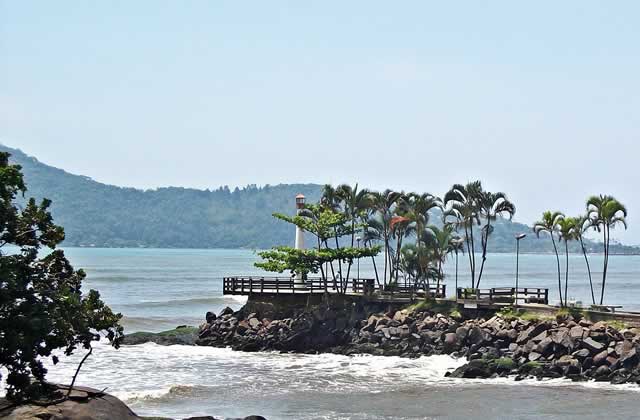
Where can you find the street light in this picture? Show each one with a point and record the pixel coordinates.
(518, 238)
(358, 239)
(458, 245)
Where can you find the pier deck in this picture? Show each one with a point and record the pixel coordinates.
(251, 285)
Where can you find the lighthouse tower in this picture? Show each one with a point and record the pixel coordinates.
(299, 235)
(299, 232)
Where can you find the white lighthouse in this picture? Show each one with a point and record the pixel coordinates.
(299, 232)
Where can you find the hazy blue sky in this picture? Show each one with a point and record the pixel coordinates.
(541, 100)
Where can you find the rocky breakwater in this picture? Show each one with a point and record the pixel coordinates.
(500, 346)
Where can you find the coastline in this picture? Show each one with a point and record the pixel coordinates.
(497, 346)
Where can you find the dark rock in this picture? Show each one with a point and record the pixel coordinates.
(450, 342)
(225, 311)
(629, 358)
(88, 403)
(474, 369)
(476, 336)
(210, 317)
(602, 373)
(592, 345)
(600, 358)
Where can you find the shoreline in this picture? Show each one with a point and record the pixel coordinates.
(499, 346)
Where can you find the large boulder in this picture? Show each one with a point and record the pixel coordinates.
(478, 368)
(83, 404)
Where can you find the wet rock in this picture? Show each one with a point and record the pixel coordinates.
(474, 369)
(450, 342)
(210, 317)
(601, 373)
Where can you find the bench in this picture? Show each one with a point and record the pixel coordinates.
(606, 308)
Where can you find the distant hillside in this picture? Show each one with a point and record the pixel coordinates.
(95, 214)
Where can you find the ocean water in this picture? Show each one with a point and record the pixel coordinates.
(160, 289)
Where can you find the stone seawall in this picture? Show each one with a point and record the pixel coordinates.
(499, 345)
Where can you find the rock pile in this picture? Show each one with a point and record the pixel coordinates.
(499, 346)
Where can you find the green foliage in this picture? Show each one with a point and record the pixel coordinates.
(530, 367)
(304, 261)
(42, 307)
(504, 363)
(510, 312)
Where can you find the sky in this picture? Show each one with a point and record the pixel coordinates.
(540, 100)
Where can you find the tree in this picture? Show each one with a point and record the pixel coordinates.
(355, 202)
(371, 232)
(461, 203)
(606, 212)
(491, 205)
(582, 224)
(445, 241)
(384, 204)
(321, 222)
(549, 224)
(42, 307)
(567, 232)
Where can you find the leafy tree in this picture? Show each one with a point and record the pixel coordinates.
(549, 224)
(42, 307)
(305, 261)
(606, 212)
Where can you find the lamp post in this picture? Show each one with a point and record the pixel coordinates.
(358, 239)
(458, 245)
(299, 243)
(518, 239)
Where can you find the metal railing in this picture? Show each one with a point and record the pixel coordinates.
(505, 294)
(248, 285)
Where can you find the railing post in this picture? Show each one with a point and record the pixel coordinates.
(242, 285)
(261, 284)
(250, 285)
(277, 289)
(546, 296)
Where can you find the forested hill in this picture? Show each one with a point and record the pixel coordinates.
(95, 214)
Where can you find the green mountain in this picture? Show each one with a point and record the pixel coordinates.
(96, 214)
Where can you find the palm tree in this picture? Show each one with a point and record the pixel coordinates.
(420, 205)
(445, 241)
(567, 232)
(584, 223)
(371, 232)
(491, 205)
(384, 203)
(354, 201)
(331, 200)
(549, 224)
(400, 227)
(606, 212)
(461, 202)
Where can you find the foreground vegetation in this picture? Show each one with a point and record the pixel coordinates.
(42, 304)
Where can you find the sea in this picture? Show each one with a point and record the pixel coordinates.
(159, 289)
